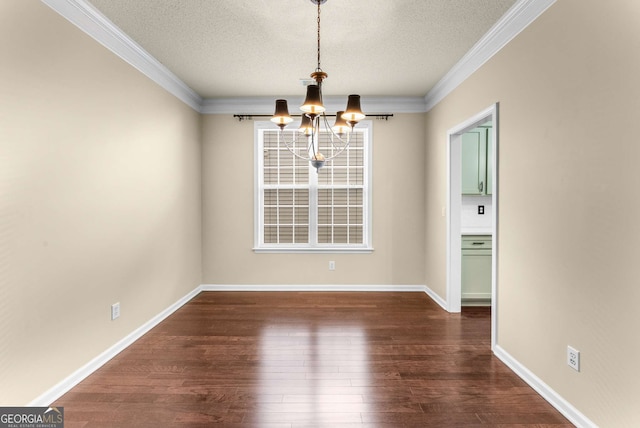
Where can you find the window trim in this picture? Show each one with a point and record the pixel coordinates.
(366, 127)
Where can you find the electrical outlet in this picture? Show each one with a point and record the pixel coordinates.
(115, 311)
(573, 358)
(481, 209)
(332, 265)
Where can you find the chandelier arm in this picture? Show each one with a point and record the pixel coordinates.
(314, 141)
(333, 133)
(339, 149)
(289, 146)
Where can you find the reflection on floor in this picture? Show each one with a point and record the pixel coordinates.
(245, 359)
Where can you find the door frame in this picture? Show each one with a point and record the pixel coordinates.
(454, 207)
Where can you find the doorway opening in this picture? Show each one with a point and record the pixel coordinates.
(481, 226)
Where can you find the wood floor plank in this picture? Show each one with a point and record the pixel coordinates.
(247, 359)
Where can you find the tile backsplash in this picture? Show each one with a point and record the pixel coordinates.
(471, 220)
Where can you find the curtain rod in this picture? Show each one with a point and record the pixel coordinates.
(241, 117)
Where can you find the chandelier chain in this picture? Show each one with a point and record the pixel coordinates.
(318, 69)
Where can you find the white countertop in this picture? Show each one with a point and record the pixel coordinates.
(476, 231)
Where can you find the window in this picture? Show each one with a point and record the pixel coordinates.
(299, 210)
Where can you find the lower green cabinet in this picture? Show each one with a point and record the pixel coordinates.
(476, 269)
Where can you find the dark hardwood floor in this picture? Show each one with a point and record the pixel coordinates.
(245, 359)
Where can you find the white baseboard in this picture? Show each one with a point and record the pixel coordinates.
(436, 298)
(562, 405)
(311, 287)
(79, 375)
(362, 288)
(83, 372)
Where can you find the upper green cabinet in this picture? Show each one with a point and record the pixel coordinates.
(477, 168)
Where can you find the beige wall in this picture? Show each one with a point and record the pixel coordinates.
(398, 212)
(568, 210)
(99, 199)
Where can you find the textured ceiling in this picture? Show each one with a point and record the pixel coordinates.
(246, 48)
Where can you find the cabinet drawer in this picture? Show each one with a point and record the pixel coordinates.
(476, 242)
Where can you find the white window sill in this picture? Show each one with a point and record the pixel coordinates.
(318, 250)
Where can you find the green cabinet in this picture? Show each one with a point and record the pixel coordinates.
(476, 269)
(477, 168)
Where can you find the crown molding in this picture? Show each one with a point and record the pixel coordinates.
(243, 105)
(517, 18)
(91, 21)
(95, 24)
(265, 105)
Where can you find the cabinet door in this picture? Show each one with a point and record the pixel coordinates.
(476, 268)
(471, 163)
(476, 275)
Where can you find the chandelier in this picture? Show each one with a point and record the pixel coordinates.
(314, 118)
